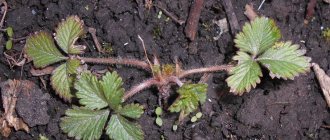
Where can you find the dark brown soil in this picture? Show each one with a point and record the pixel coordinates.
(276, 109)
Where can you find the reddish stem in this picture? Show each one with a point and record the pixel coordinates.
(144, 85)
(130, 62)
(205, 70)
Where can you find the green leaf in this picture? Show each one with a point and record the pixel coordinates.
(41, 48)
(285, 60)
(159, 121)
(9, 44)
(90, 91)
(112, 88)
(83, 123)
(68, 32)
(63, 77)
(190, 95)
(120, 128)
(245, 75)
(258, 36)
(133, 111)
(10, 32)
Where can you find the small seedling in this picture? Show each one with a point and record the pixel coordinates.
(175, 127)
(159, 112)
(326, 34)
(42, 137)
(98, 98)
(10, 34)
(196, 117)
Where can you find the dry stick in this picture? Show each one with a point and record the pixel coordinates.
(310, 10)
(120, 61)
(249, 12)
(192, 22)
(234, 26)
(173, 17)
(205, 70)
(92, 31)
(4, 14)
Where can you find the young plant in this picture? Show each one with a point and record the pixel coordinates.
(258, 46)
(159, 112)
(98, 98)
(40, 47)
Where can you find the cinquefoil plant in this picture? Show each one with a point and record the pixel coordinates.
(258, 45)
(99, 98)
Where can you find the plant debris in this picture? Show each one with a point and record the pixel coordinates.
(324, 81)
(9, 93)
(310, 10)
(249, 12)
(192, 22)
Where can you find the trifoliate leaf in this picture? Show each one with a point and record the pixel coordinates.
(190, 95)
(112, 88)
(68, 32)
(285, 60)
(258, 36)
(133, 111)
(245, 75)
(120, 128)
(63, 77)
(41, 48)
(90, 91)
(83, 123)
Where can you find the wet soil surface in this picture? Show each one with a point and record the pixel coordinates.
(276, 109)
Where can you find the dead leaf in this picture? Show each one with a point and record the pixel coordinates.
(9, 98)
(249, 12)
(327, 1)
(324, 81)
(41, 72)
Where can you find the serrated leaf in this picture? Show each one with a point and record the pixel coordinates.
(133, 111)
(83, 123)
(63, 77)
(258, 36)
(90, 92)
(68, 32)
(285, 60)
(245, 75)
(41, 48)
(112, 88)
(120, 128)
(190, 95)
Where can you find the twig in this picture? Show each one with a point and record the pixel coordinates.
(234, 26)
(129, 62)
(310, 10)
(205, 70)
(172, 16)
(4, 14)
(324, 81)
(192, 22)
(92, 31)
(262, 3)
(249, 12)
(41, 72)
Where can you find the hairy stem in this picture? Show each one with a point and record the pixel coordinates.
(136, 89)
(205, 70)
(176, 80)
(130, 62)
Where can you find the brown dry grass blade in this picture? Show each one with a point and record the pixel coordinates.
(324, 81)
(9, 99)
(250, 13)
